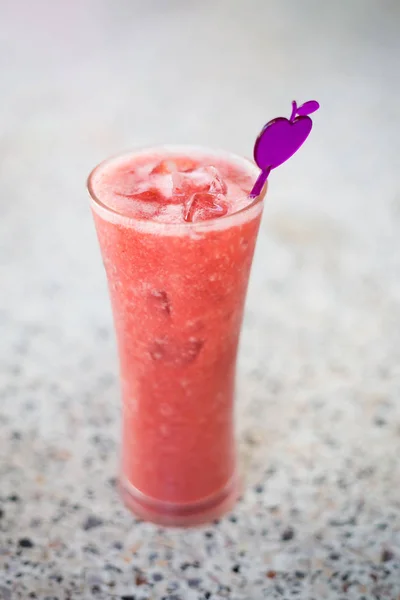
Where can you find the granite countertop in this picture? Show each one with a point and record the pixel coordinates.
(319, 377)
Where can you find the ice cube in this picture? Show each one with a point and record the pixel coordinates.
(203, 206)
(164, 184)
(160, 301)
(184, 164)
(182, 183)
(152, 194)
(164, 167)
(217, 185)
(144, 204)
(124, 180)
(202, 179)
(141, 193)
(160, 177)
(174, 352)
(190, 351)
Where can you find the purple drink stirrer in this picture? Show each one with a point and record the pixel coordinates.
(279, 139)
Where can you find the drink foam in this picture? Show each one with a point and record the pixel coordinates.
(168, 185)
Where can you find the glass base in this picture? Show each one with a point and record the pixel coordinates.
(172, 514)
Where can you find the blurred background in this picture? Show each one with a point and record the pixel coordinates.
(83, 80)
(319, 370)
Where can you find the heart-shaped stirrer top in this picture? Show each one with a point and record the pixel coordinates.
(280, 139)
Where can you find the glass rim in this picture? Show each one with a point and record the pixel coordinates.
(185, 225)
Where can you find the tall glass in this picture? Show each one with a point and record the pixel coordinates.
(178, 294)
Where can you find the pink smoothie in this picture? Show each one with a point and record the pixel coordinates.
(177, 232)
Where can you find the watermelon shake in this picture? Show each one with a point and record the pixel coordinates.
(177, 231)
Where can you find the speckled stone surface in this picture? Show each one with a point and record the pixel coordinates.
(319, 378)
